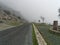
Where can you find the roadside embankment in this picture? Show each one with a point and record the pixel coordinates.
(39, 37)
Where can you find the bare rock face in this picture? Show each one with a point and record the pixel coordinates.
(55, 25)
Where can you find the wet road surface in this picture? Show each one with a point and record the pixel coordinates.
(21, 35)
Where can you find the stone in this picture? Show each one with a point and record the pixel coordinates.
(55, 25)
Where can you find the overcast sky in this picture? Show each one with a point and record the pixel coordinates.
(33, 9)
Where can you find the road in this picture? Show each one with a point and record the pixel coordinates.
(21, 35)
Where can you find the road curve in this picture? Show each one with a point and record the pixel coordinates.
(21, 35)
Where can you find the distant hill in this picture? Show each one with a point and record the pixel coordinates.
(9, 16)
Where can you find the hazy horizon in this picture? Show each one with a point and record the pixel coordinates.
(31, 10)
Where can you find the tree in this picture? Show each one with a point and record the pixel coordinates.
(19, 17)
(7, 12)
(38, 20)
(59, 12)
(42, 18)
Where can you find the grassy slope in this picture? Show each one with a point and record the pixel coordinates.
(51, 38)
(13, 23)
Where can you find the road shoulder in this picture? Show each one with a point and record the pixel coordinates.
(39, 37)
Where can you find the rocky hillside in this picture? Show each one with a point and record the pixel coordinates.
(9, 16)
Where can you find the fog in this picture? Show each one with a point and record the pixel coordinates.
(31, 10)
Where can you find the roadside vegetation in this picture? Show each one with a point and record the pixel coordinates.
(51, 38)
(34, 37)
(14, 23)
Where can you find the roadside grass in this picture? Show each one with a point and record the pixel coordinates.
(54, 33)
(34, 37)
(51, 38)
(14, 23)
(46, 39)
(48, 42)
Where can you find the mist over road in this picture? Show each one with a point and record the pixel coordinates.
(21, 35)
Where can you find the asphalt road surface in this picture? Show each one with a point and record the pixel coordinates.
(21, 35)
